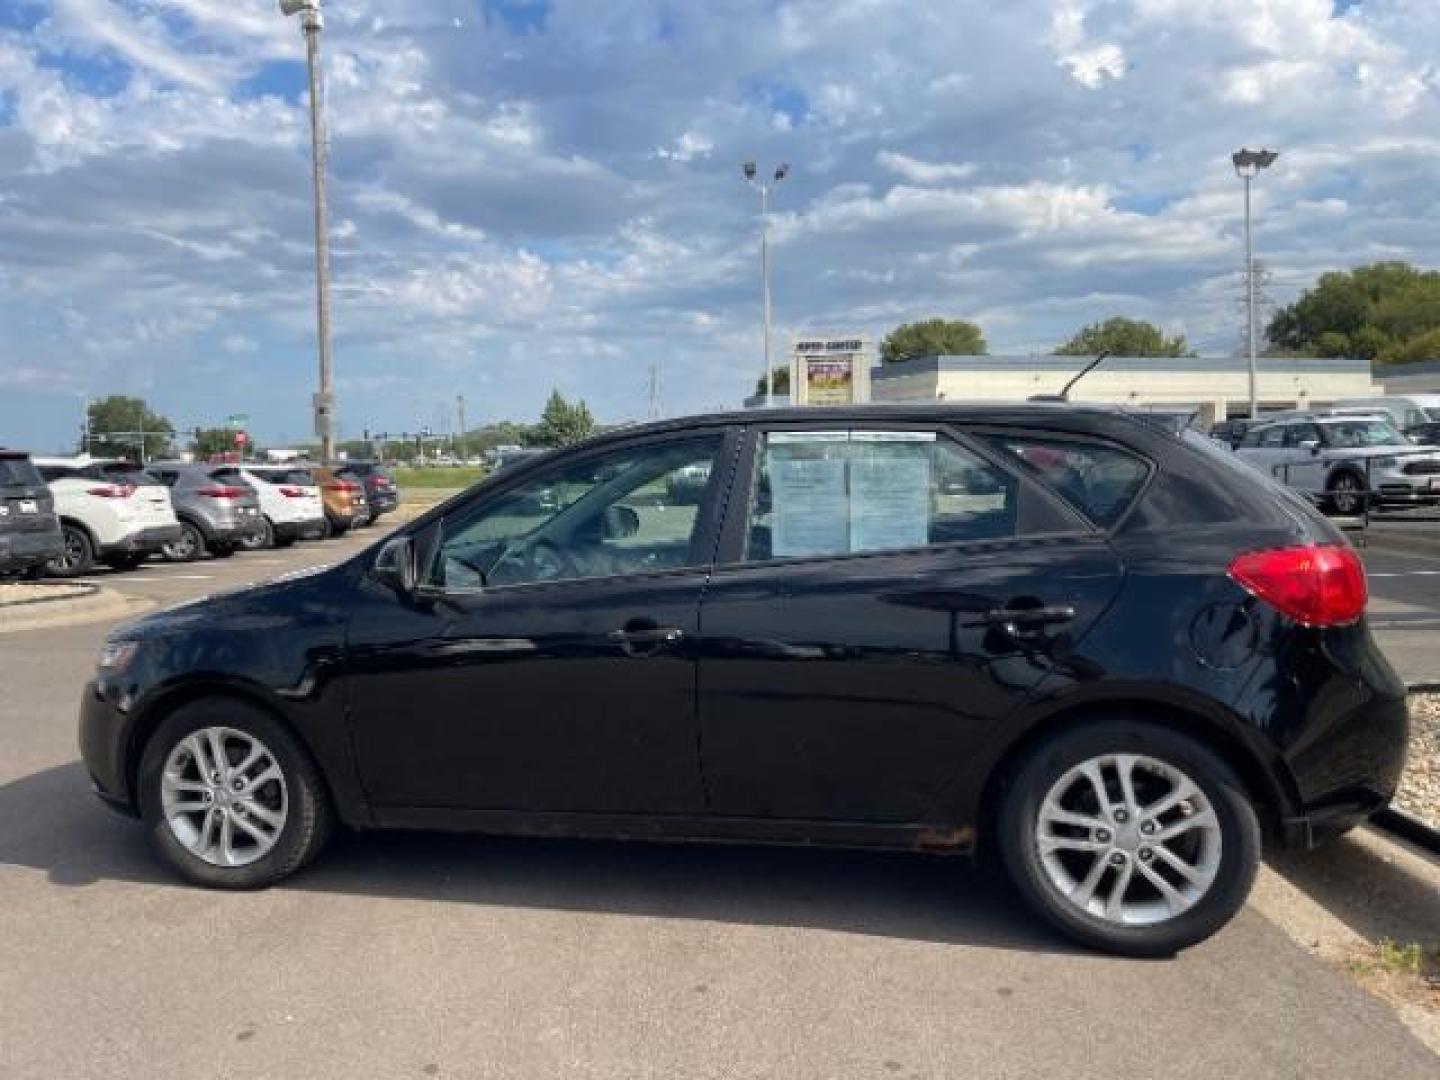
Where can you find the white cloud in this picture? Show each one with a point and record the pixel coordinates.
(923, 172)
(687, 147)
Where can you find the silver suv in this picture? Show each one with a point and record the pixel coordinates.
(215, 512)
(1344, 462)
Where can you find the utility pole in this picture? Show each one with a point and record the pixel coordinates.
(312, 22)
(1248, 164)
(654, 410)
(463, 444)
(764, 186)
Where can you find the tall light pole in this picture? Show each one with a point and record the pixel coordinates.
(1248, 164)
(764, 187)
(312, 22)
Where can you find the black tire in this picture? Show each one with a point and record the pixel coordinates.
(1346, 492)
(285, 541)
(335, 529)
(309, 819)
(223, 551)
(79, 557)
(33, 572)
(189, 547)
(128, 561)
(259, 538)
(1239, 833)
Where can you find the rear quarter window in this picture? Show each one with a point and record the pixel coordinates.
(1099, 480)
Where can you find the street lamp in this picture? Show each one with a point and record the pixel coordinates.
(312, 22)
(1248, 164)
(765, 187)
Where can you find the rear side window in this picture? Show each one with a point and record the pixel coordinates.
(825, 493)
(1099, 480)
(18, 472)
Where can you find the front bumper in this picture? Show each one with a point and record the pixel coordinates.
(144, 541)
(21, 549)
(104, 737)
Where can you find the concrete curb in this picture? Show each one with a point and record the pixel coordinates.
(63, 591)
(94, 605)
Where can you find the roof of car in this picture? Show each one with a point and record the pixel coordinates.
(1038, 413)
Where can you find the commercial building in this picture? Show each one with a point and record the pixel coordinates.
(1215, 387)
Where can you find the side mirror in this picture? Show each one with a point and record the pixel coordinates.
(395, 565)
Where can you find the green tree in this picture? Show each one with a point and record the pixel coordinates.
(562, 423)
(208, 441)
(113, 419)
(1373, 311)
(1120, 336)
(932, 337)
(780, 376)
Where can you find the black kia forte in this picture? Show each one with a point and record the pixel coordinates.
(1109, 653)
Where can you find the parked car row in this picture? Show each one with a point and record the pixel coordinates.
(63, 516)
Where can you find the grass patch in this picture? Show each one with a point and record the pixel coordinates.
(440, 477)
(1399, 958)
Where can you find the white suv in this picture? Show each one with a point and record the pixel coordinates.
(110, 511)
(289, 502)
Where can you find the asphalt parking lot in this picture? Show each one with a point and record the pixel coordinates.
(430, 955)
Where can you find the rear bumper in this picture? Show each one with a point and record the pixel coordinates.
(19, 550)
(382, 502)
(295, 530)
(144, 541)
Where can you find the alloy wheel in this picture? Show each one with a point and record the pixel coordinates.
(1345, 493)
(1128, 839)
(224, 796)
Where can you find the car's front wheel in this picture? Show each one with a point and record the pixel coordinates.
(1130, 837)
(230, 797)
(187, 547)
(260, 537)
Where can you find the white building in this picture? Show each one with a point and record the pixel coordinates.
(1215, 387)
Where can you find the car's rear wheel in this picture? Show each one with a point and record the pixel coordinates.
(1130, 837)
(77, 558)
(188, 547)
(335, 528)
(230, 797)
(1347, 493)
(260, 537)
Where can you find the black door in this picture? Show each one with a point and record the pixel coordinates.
(553, 668)
(883, 600)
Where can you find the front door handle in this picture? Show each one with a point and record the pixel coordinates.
(642, 636)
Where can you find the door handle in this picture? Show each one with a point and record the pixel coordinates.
(640, 636)
(1019, 620)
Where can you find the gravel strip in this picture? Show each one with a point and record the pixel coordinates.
(1419, 794)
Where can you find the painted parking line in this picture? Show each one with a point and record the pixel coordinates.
(154, 580)
(1403, 573)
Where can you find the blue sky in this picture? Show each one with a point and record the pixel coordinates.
(540, 193)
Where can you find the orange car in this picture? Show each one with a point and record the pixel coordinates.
(344, 501)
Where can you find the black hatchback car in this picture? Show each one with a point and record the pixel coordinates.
(1113, 655)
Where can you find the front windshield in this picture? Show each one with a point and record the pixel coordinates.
(1351, 434)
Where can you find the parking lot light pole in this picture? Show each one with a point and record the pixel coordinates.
(312, 22)
(1248, 164)
(764, 187)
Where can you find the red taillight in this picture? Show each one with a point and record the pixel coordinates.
(112, 491)
(342, 485)
(1315, 586)
(382, 482)
(293, 493)
(222, 492)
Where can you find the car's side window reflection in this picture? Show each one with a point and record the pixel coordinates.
(629, 511)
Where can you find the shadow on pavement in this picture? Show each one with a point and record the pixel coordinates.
(1377, 897)
(50, 822)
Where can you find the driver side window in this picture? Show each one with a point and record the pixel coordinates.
(629, 511)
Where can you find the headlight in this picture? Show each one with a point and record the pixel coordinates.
(115, 656)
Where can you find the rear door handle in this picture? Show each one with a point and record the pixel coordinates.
(1030, 618)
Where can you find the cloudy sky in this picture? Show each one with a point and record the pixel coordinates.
(538, 193)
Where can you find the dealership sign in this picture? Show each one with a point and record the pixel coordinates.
(830, 369)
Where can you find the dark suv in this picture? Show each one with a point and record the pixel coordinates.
(1113, 655)
(381, 494)
(30, 533)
